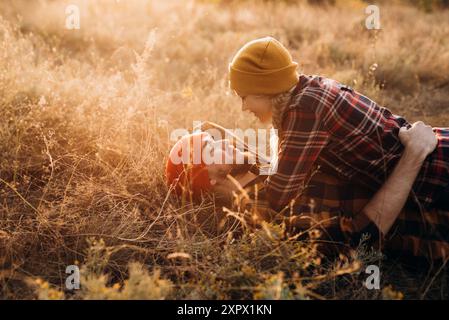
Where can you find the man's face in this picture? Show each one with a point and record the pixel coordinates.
(226, 156)
(259, 105)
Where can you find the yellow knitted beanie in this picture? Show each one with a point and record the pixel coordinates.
(262, 66)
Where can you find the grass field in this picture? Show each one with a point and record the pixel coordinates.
(85, 118)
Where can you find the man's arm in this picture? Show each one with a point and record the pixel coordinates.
(383, 209)
(303, 139)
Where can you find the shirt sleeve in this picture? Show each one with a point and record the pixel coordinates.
(328, 207)
(303, 139)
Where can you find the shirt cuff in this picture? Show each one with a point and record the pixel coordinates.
(363, 229)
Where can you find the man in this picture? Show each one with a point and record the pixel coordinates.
(341, 210)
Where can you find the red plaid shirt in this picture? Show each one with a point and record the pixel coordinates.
(347, 134)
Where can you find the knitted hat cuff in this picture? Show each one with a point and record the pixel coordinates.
(270, 82)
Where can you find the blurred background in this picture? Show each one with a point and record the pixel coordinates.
(85, 118)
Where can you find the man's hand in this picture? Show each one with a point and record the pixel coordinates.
(419, 139)
(383, 209)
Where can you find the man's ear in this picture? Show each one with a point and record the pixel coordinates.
(213, 182)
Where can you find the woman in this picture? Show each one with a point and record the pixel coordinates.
(322, 122)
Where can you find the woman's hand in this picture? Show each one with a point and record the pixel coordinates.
(419, 139)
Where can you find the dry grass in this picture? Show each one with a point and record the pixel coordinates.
(85, 122)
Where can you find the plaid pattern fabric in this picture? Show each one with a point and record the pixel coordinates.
(333, 206)
(347, 134)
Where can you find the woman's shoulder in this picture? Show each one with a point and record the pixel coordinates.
(312, 91)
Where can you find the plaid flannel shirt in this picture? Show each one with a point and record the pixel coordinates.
(334, 207)
(347, 134)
